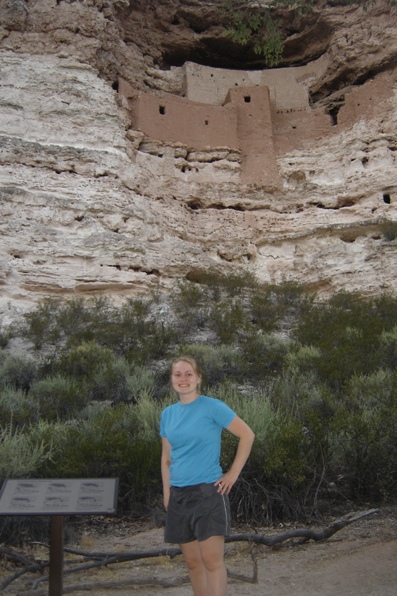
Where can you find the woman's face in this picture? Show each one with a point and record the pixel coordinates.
(184, 379)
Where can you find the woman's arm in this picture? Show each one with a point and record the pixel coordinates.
(246, 437)
(165, 469)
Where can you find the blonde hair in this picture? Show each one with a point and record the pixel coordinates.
(190, 360)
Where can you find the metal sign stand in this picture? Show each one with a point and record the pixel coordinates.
(56, 556)
(56, 498)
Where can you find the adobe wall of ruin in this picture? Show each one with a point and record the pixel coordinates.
(365, 101)
(255, 134)
(292, 130)
(287, 86)
(174, 119)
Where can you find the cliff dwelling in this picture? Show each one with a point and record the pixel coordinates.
(257, 115)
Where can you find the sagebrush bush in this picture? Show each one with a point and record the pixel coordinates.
(366, 429)
(17, 372)
(16, 407)
(228, 319)
(110, 382)
(262, 356)
(140, 380)
(83, 362)
(42, 325)
(20, 456)
(57, 398)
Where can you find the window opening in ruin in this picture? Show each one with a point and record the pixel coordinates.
(247, 98)
(206, 122)
(386, 198)
(333, 112)
(162, 110)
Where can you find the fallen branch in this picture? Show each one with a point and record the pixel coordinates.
(99, 559)
(305, 534)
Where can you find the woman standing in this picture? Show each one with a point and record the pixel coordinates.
(195, 489)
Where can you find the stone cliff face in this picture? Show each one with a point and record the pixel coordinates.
(94, 202)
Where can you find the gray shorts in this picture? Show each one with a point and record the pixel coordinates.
(196, 513)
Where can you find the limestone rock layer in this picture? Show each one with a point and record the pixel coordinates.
(95, 201)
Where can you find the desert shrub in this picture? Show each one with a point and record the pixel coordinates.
(57, 398)
(146, 453)
(130, 330)
(262, 356)
(17, 372)
(142, 336)
(41, 323)
(296, 392)
(140, 380)
(388, 348)
(71, 322)
(384, 308)
(16, 407)
(236, 283)
(83, 321)
(272, 484)
(83, 362)
(110, 382)
(97, 448)
(347, 331)
(219, 283)
(190, 302)
(20, 456)
(264, 310)
(254, 407)
(291, 294)
(366, 436)
(228, 319)
(5, 336)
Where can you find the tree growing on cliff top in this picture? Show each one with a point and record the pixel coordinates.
(255, 22)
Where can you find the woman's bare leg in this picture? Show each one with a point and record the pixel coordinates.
(206, 566)
(212, 553)
(197, 572)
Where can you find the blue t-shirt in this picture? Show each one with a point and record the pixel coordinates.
(194, 433)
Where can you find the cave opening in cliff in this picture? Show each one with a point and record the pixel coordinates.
(386, 198)
(214, 52)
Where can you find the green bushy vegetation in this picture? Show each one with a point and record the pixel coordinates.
(316, 380)
(256, 24)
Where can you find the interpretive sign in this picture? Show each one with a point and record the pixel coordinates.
(59, 496)
(56, 498)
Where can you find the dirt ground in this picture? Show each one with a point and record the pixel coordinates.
(360, 559)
